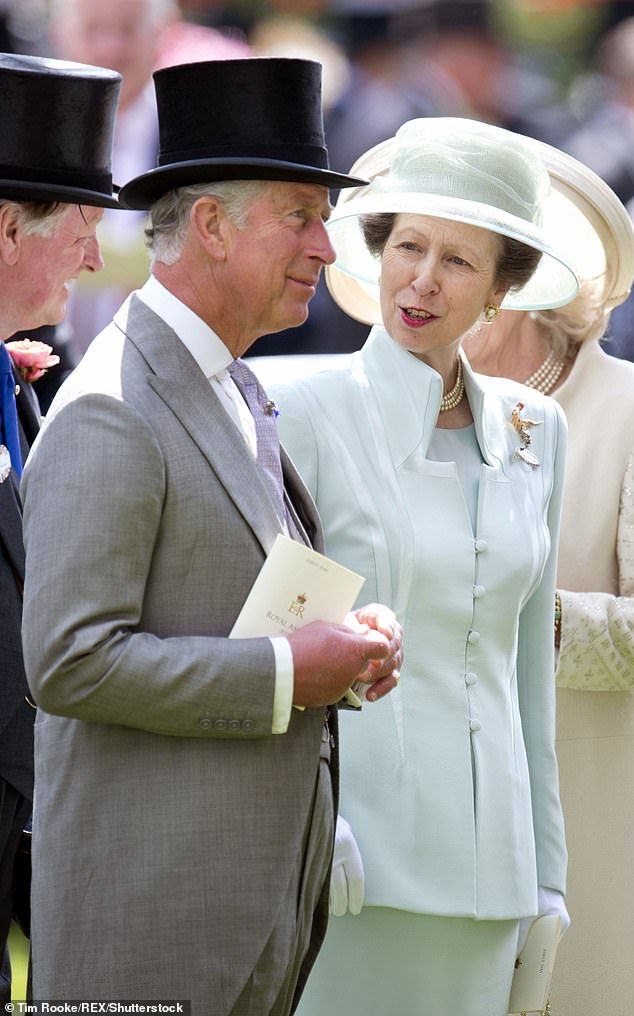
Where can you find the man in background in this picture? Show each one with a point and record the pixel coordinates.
(55, 181)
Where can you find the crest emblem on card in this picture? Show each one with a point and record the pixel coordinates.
(298, 604)
(5, 463)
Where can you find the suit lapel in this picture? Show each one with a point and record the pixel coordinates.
(29, 416)
(11, 523)
(180, 383)
(301, 505)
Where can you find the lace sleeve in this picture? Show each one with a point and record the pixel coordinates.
(597, 629)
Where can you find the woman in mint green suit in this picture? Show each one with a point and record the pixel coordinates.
(443, 488)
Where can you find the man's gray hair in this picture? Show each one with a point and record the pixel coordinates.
(169, 218)
(37, 218)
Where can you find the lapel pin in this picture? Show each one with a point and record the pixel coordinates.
(270, 408)
(523, 428)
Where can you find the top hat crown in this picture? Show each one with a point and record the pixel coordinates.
(57, 125)
(257, 118)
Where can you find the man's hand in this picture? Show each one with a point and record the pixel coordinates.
(379, 622)
(328, 658)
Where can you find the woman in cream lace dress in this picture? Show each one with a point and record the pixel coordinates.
(558, 351)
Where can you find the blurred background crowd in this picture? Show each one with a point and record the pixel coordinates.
(559, 70)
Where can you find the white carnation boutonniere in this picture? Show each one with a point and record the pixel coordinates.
(32, 358)
(523, 429)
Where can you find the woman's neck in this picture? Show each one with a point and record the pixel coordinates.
(512, 346)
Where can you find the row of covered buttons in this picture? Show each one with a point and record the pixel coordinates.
(481, 546)
(206, 723)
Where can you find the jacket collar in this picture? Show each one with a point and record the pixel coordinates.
(181, 384)
(409, 393)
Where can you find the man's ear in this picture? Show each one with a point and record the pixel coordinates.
(209, 223)
(10, 234)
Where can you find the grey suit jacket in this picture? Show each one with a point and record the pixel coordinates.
(167, 816)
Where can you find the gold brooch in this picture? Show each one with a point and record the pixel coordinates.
(523, 428)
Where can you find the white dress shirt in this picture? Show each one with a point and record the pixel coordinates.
(214, 359)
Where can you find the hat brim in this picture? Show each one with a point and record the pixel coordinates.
(22, 190)
(141, 192)
(594, 224)
(586, 234)
(553, 284)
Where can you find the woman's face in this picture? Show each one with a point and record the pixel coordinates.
(436, 278)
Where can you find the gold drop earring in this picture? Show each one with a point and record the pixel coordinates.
(491, 311)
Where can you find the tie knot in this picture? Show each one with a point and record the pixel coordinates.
(242, 374)
(251, 389)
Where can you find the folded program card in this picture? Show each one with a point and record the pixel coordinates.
(297, 585)
(534, 967)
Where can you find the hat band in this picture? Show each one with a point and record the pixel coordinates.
(477, 187)
(77, 179)
(312, 155)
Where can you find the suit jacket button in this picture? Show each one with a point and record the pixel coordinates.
(234, 724)
(248, 725)
(220, 724)
(205, 723)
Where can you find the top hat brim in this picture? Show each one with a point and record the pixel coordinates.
(23, 190)
(141, 192)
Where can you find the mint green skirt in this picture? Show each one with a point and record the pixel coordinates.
(393, 963)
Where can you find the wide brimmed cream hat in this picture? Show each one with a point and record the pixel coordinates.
(594, 224)
(472, 172)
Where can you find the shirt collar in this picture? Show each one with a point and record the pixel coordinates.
(206, 347)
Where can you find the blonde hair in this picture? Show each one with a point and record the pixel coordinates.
(583, 319)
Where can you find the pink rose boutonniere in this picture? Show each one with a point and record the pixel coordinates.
(31, 358)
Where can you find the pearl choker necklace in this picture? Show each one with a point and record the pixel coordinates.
(546, 377)
(455, 396)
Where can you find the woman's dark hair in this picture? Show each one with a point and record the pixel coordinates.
(517, 261)
(376, 230)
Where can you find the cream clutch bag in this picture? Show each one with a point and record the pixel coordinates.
(534, 967)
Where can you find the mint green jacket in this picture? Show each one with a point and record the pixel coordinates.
(450, 783)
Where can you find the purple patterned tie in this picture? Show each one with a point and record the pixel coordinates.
(264, 412)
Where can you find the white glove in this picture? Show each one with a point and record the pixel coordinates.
(347, 883)
(549, 901)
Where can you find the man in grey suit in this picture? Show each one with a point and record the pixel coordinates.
(184, 808)
(57, 123)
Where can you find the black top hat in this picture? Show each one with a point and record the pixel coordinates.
(247, 119)
(57, 122)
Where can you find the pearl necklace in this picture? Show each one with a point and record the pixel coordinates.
(546, 377)
(455, 396)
